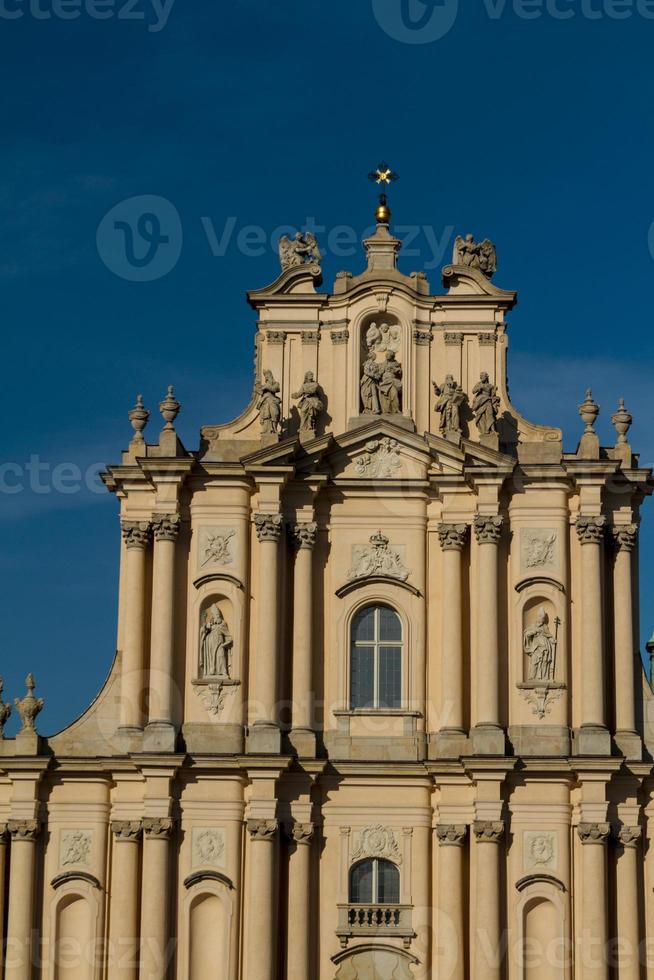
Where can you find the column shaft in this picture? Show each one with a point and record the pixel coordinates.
(299, 962)
(262, 903)
(3, 878)
(303, 629)
(627, 905)
(488, 708)
(625, 706)
(488, 951)
(19, 953)
(449, 948)
(452, 541)
(156, 944)
(124, 903)
(593, 946)
(265, 695)
(590, 531)
(163, 606)
(132, 678)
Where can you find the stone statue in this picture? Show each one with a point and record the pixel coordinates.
(486, 405)
(383, 338)
(269, 404)
(215, 644)
(372, 374)
(390, 386)
(301, 250)
(450, 399)
(540, 646)
(310, 404)
(476, 255)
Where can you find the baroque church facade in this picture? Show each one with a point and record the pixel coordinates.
(377, 710)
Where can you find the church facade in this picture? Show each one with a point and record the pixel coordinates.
(377, 709)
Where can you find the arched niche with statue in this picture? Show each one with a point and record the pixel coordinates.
(382, 357)
(215, 651)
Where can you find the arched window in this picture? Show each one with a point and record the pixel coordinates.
(374, 882)
(376, 659)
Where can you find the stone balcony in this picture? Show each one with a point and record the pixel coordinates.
(378, 921)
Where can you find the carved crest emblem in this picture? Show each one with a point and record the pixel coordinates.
(377, 558)
(539, 548)
(539, 850)
(380, 460)
(208, 847)
(377, 842)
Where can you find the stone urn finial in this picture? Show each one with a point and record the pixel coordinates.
(169, 408)
(29, 706)
(5, 710)
(622, 421)
(589, 411)
(139, 416)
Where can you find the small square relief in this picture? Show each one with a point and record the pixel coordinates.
(75, 848)
(540, 851)
(208, 847)
(216, 547)
(540, 548)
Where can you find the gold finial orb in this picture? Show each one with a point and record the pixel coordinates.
(383, 213)
(383, 175)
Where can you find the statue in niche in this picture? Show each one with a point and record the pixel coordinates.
(269, 404)
(372, 374)
(215, 644)
(476, 255)
(300, 250)
(310, 404)
(451, 397)
(390, 386)
(540, 646)
(383, 338)
(486, 405)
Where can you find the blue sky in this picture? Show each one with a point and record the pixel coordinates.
(534, 131)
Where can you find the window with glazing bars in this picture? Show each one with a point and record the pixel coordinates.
(376, 659)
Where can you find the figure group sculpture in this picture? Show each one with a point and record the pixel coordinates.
(300, 250)
(476, 255)
(381, 385)
(452, 400)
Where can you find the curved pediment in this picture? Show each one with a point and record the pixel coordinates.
(300, 279)
(466, 281)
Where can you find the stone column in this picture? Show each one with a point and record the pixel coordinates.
(488, 951)
(265, 736)
(19, 953)
(593, 738)
(160, 734)
(156, 940)
(303, 737)
(137, 538)
(124, 942)
(592, 948)
(263, 898)
(4, 838)
(453, 540)
(625, 539)
(450, 945)
(488, 736)
(627, 904)
(299, 963)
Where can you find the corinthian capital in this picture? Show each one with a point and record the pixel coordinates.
(263, 829)
(489, 831)
(157, 828)
(591, 529)
(630, 836)
(488, 529)
(451, 835)
(24, 829)
(269, 526)
(126, 830)
(594, 833)
(303, 833)
(136, 533)
(453, 537)
(304, 535)
(625, 536)
(165, 526)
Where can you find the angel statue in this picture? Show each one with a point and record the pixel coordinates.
(310, 404)
(486, 405)
(269, 404)
(215, 644)
(300, 250)
(450, 399)
(476, 255)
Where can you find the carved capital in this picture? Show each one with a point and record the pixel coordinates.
(630, 836)
(594, 833)
(451, 835)
(302, 833)
(127, 830)
(591, 529)
(310, 337)
(422, 338)
(157, 828)
(625, 537)
(136, 534)
(24, 829)
(454, 339)
(489, 831)
(453, 537)
(488, 530)
(304, 535)
(269, 526)
(340, 336)
(486, 339)
(275, 336)
(263, 829)
(165, 526)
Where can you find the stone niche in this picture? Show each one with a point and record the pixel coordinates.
(216, 657)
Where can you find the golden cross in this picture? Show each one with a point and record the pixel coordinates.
(383, 175)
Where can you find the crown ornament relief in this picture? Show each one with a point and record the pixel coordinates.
(29, 707)
(377, 559)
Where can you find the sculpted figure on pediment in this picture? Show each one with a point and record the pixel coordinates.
(486, 405)
(310, 404)
(476, 255)
(269, 404)
(300, 250)
(451, 398)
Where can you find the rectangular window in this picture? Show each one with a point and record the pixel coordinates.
(363, 677)
(390, 677)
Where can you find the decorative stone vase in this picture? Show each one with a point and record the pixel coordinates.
(139, 416)
(589, 411)
(622, 421)
(169, 408)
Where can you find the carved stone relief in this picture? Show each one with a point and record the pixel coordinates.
(375, 964)
(381, 459)
(75, 847)
(377, 842)
(540, 548)
(208, 848)
(216, 547)
(542, 699)
(539, 850)
(377, 558)
(214, 693)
